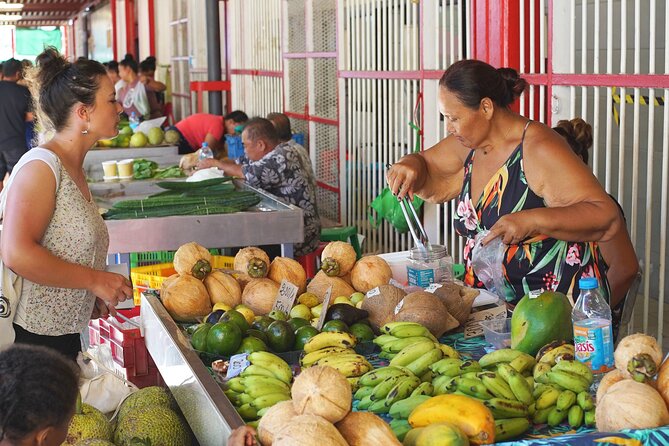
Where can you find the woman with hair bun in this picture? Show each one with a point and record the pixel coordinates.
(514, 177)
(53, 235)
(132, 94)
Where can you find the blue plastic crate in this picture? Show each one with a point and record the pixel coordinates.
(235, 146)
(299, 138)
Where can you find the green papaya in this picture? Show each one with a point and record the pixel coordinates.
(539, 320)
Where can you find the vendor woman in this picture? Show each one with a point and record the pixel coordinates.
(515, 177)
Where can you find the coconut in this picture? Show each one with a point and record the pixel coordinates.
(192, 259)
(630, 405)
(638, 356)
(259, 295)
(185, 298)
(321, 282)
(370, 272)
(275, 419)
(607, 381)
(283, 268)
(223, 288)
(364, 429)
(457, 299)
(252, 261)
(242, 279)
(662, 383)
(337, 259)
(380, 303)
(322, 391)
(307, 430)
(426, 309)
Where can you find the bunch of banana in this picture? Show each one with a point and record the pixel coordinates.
(335, 349)
(418, 357)
(562, 392)
(520, 361)
(382, 388)
(261, 385)
(399, 335)
(555, 351)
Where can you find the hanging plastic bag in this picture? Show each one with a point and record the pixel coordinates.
(487, 263)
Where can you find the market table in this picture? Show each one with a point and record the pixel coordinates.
(163, 155)
(212, 416)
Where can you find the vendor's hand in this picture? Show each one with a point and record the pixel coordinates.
(243, 436)
(112, 288)
(207, 163)
(401, 180)
(512, 228)
(100, 309)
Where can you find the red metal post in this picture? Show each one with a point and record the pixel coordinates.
(152, 28)
(130, 32)
(228, 77)
(112, 5)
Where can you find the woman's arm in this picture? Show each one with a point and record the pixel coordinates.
(578, 208)
(29, 209)
(435, 174)
(623, 264)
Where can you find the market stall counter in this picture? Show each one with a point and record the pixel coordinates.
(163, 155)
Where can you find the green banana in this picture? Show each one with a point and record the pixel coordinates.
(262, 412)
(555, 416)
(273, 363)
(575, 416)
(411, 353)
(539, 372)
(472, 387)
(531, 409)
(378, 407)
(427, 376)
(236, 384)
(269, 400)
(400, 428)
(566, 399)
(503, 408)
(584, 399)
(443, 384)
(548, 398)
(496, 385)
(233, 396)
(245, 398)
(523, 363)
(364, 403)
(519, 386)
(422, 364)
(374, 377)
(260, 381)
(410, 329)
(530, 381)
(589, 417)
(576, 367)
(387, 355)
(363, 392)
(383, 339)
(247, 412)
(448, 351)
(402, 390)
(447, 366)
(503, 355)
(569, 381)
(401, 343)
(403, 408)
(541, 388)
(260, 390)
(381, 389)
(255, 369)
(310, 359)
(424, 388)
(509, 428)
(541, 415)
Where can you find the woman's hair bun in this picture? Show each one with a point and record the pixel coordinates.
(515, 84)
(51, 63)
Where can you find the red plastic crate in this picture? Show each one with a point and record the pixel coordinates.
(127, 345)
(151, 378)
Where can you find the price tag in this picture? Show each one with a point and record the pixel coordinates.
(237, 364)
(399, 306)
(324, 310)
(473, 326)
(286, 297)
(373, 292)
(433, 287)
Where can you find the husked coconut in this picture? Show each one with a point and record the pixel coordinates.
(607, 381)
(192, 259)
(277, 417)
(364, 429)
(259, 295)
(370, 272)
(380, 303)
(457, 299)
(185, 298)
(337, 259)
(223, 288)
(322, 391)
(426, 309)
(308, 430)
(638, 356)
(243, 280)
(283, 268)
(630, 405)
(662, 382)
(252, 261)
(321, 282)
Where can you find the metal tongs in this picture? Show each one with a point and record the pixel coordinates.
(418, 232)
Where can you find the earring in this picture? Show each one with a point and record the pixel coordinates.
(85, 132)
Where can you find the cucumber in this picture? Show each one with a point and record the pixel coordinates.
(184, 185)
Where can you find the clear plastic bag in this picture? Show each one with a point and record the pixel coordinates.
(487, 263)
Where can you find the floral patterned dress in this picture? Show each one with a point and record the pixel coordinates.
(538, 263)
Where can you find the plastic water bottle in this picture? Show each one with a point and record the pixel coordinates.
(593, 335)
(134, 121)
(205, 152)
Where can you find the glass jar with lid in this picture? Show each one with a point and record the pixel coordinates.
(427, 266)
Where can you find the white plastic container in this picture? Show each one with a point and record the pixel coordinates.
(398, 262)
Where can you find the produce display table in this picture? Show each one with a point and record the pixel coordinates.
(163, 155)
(212, 417)
(271, 222)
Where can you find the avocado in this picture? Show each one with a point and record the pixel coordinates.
(345, 313)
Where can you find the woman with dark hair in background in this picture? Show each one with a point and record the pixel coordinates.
(133, 95)
(53, 235)
(618, 252)
(38, 394)
(514, 177)
(112, 71)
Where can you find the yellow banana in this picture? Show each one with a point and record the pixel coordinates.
(502, 355)
(569, 381)
(374, 377)
(539, 373)
(574, 366)
(496, 385)
(503, 408)
(330, 339)
(523, 363)
(547, 399)
(519, 386)
(448, 351)
(310, 359)
(351, 369)
(550, 356)
(510, 428)
(566, 399)
(422, 364)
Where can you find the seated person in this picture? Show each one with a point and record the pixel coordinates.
(147, 72)
(132, 94)
(276, 167)
(112, 71)
(282, 125)
(205, 127)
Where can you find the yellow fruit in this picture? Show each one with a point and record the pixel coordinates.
(468, 414)
(308, 299)
(342, 300)
(248, 313)
(359, 305)
(316, 311)
(221, 306)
